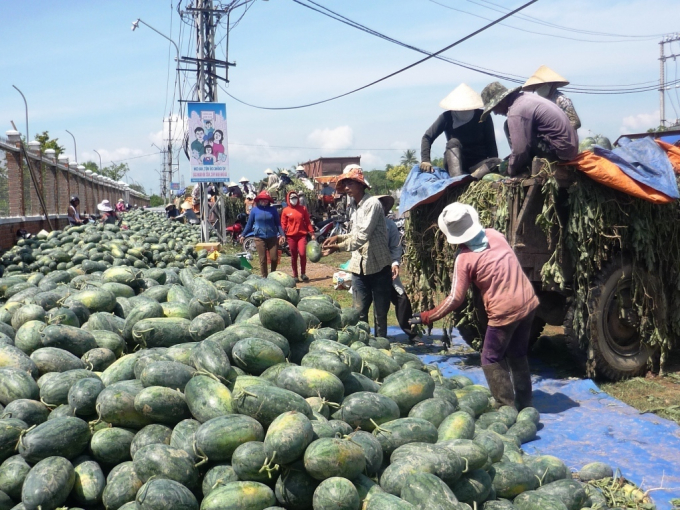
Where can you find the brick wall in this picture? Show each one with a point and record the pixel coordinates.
(8, 231)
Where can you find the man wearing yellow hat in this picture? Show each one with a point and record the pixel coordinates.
(469, 139)
(545, 83)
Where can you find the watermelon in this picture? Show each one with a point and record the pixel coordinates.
(329, 457)
(407, 388)
(336, 493)
(245, 495)
(313, 251)
(89, 483)
(295, 489)
(458, 425)
(251, 464)
(216, 439)
(425, 490)
(402, 431)
(163, 461)
(151, 434)
(161, 494)
(372, 448)
(48, 483)
(367, 410)
(511, 479)
(111, 446)
(288, 437)
(63, 437)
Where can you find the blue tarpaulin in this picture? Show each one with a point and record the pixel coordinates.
(645, 162)
(423, 187)
(582, 424)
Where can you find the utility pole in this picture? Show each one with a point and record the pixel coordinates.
(170, 150)
(662, 75)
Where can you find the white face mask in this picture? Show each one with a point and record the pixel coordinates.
(544, 90)
(294, 201)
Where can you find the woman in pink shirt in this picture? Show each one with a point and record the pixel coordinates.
(486, 260)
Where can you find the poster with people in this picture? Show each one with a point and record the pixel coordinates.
(208, 155)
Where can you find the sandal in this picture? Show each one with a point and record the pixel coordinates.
(305, 278)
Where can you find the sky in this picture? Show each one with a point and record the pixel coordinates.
(82, 68)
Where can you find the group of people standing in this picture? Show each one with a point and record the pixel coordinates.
(271, 230)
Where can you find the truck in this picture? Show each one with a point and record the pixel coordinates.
(617, 316)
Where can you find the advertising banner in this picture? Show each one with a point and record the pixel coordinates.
(208, 156)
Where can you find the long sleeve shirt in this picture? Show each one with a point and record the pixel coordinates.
(477, 139)
(507, 293)
(295, 220)
(531, 117)
(263, 222)
(367, 238)
(394, 241)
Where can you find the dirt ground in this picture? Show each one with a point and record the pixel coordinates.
(649, 394)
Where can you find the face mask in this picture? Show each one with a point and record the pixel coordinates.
(293, 201)
(262, 203)
(544, 90)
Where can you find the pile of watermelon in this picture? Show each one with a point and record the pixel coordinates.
(147, 376)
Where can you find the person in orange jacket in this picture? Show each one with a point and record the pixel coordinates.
(297, 226)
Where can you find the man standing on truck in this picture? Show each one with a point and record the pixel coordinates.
(486, 260)
(536, 126)
(469, 139)
(546, 82)
(371, 261)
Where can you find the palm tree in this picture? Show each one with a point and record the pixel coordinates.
(408, 159)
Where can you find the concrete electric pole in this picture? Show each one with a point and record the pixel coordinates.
(662, 75)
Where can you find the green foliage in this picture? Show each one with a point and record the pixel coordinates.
(48, 143)
(155, 201)
(113, 171)
(398, 174)
(380, 184)
(91, 165)
(408, 159)
(138, 187)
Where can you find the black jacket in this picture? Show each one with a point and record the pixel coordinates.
(478, 140)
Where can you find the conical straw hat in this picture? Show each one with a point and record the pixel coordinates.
(545, 75)
(462, 98)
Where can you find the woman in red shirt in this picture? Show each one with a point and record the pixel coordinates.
(297, 225)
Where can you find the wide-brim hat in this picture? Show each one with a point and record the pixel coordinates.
(268, 171)
(243, 179)
(386, 200)
(462, 98)
(185, 206)
(120, 200)
(284, 171)
(354, 174)
(545, 75)
(169, 206)
(492, 95)
(105, 206)
(459, 222)
(299, 167)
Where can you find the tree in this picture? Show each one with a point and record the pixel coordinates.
(408, 159)
(138, 187)
(397, 175)
(115, 172)
(155, 201)
(91, 165)
(47, 143)
(380, 184)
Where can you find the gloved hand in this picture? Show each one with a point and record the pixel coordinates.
(426, 166)
(415, 320)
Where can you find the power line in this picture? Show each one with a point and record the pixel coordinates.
(433, 55)
(539, 21)
(530, 31)
(580, 89)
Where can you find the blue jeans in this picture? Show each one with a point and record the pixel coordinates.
(373, 289)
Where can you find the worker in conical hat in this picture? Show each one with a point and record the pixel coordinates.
(546, 82)
(469, 141)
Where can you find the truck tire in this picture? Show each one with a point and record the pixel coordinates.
(616, 351)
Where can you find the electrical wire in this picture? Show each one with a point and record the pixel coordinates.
(531, 31)
(433, 55)
(575, 88)
(539, 21)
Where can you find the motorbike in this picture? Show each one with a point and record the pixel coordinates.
(335, 225)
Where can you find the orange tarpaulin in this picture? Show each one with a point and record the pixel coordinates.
(673, 154)
(608, 174)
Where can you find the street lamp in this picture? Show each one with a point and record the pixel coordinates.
(75, 147)
(25, 108)
(135, 25)
(100, 160)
